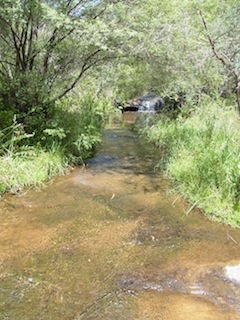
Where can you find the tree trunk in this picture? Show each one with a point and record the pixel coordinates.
(238, 96)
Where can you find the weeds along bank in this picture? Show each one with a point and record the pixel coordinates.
(41, 148)
(202, 157)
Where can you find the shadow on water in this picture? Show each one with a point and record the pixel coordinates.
(108, 242)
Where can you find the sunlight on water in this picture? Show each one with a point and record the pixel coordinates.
(233, 273)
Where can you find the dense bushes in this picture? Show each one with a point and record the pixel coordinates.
(76, 126)
(202, 157)
(69, 135)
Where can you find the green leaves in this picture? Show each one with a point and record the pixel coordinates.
(48, 46)
(55, 18)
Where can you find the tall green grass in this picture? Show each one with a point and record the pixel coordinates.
(18, 171)
(202, 157)
(22, 165)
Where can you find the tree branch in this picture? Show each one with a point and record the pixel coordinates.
(17, 49)
(29, 51)
(7, 62)
(1, 71)
(52, 43)
(25, 41)
(59, 73)
(225, 63)
(86, 65)
(211, 41)
(74, 7)
(8, 43)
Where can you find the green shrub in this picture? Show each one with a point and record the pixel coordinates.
(6, 118)
(76, 126)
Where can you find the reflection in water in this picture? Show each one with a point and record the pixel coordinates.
(197, 289)
(108, 242)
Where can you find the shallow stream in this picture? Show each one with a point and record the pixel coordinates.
(109, 242)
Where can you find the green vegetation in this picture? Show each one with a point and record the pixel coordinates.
(51, 106)
(63, 62)
(22, 166)
(201, 155)
(191, 58)
(70, 136)
(29, 168)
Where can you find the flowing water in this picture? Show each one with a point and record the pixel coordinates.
(109, 242)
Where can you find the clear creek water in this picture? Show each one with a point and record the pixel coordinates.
(108, 242)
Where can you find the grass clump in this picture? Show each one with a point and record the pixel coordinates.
(202, 156)
(23, 165)
(32, 169)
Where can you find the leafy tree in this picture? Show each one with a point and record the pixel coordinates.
(47, 47)
(172, 47)
(223, 35)
(183, 47)
(167, 56)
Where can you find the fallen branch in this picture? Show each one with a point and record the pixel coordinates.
(192, 207)
(229, 237)
(173, 203)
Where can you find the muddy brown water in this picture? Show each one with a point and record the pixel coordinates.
(108, 241)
